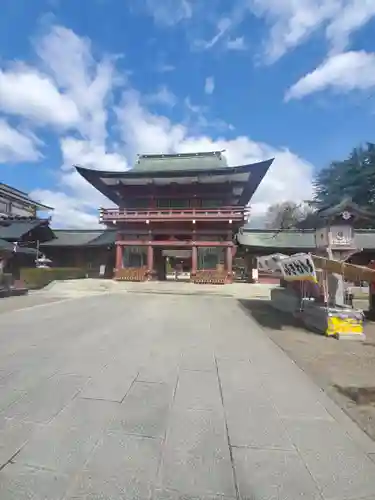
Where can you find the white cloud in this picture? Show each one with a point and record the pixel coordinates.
(88, 82)
(67, 208)
(76, 202)
(290, 177)
(343, 72)
(294, 21)
(16, 146)
(90, 155)
(27, 92)
(223, 26)
(289, 23)
(353, 16)
(209, 85)
(165, 68)
(166, 12)
(237, 43)
(144, 132)
(68, 58)
(162, 96)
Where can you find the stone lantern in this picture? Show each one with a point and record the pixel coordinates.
(335, 239)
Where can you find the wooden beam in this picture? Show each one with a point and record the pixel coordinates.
(174, 243)
(177, 190)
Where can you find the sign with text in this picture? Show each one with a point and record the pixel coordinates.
(298, 267)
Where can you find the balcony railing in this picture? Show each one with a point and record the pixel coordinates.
(237, 214)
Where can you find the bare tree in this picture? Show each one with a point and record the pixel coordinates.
(287, 215)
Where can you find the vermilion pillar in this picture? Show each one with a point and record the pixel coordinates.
(150, 260)
(229, 260)
(118, 258)
(194, 260)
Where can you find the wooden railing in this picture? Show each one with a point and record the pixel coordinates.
(211, 277)
(225, 213)
(131, 274)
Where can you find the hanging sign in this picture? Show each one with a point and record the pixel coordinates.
(270, 263)
(299, 267)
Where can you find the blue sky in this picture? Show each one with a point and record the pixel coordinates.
(99, 83)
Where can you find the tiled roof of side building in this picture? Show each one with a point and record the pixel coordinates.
(13, 193)
(108, 237)
(273, 238)
(183, 161)
(72, 237)
(6, 246)
(298, 240)
(14, 229)
(81, 238)
(365, 238)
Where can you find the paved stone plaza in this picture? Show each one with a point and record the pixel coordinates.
(138, 396)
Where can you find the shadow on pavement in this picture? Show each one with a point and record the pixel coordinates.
(266, 316)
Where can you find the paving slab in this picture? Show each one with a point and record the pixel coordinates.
(14, 434)
(196, 457)
(160, 368)
(9, 304)
(65, 444)
(122, 466)
(198, 390)
(111, 384)
(145, 410)
(46, 400)
(271, 474)
(97, 402)
(28, 483)
(255, 425)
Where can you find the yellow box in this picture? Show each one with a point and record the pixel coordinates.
(341, 326)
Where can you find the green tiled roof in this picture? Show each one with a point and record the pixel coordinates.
(107, 237)
(273, 239)
(81, 238)
(6, 246)
(365, 238)
(298, 240)
(183, 161)
(13, 230)
(9, 247)
(72, 238)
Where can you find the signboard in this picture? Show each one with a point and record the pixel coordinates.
(270, 263)
(342, 237)
(299, 267)
(178, 254)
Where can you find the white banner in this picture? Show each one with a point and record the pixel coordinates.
(270, 263)
(298, 267)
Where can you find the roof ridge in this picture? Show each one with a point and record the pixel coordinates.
(72, 230)
(182, 155)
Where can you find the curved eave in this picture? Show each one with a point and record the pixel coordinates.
(107, 181)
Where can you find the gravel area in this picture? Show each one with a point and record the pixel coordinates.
(344, 369)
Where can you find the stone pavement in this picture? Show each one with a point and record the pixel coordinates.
(134, 396)
(93, 286)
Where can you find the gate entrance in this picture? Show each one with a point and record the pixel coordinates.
(173, 264)
(178, 264)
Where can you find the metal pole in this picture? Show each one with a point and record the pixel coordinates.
(37, 252)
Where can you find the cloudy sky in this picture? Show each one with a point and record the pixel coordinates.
(94, 82)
